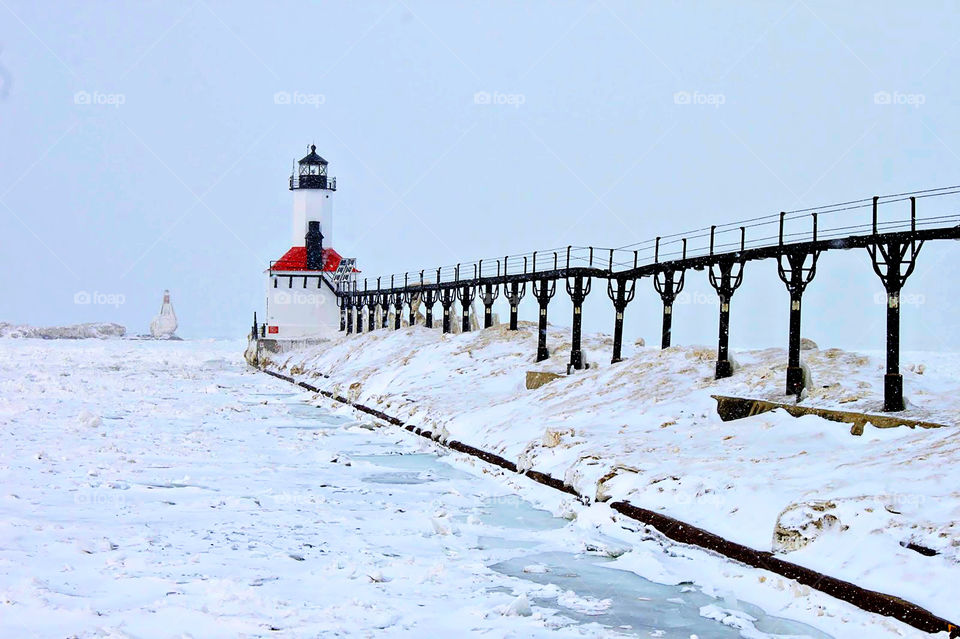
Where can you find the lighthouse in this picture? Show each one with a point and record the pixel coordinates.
(302, 284)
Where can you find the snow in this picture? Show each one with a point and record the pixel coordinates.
(646, 431)
(163, 488)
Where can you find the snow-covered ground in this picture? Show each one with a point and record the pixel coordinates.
(646, 430)
(157, 489)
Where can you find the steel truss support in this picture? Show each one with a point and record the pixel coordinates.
(621, 293)
(397, 310)
(349, 306)
(466, 294)
(514, 292)
(361, 302)
(578, 291)
(429, 297)
(894, 262)
(668, 283)
(543, 290)
(409, 297)
(371, 312)
(447, 296)
(383, 300)
(490, 293)
(341, 303)
(725, 277)
(796, 274)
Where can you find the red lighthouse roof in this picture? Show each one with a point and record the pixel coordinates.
(296, 260)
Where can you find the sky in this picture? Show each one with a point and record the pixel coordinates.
(146, 146)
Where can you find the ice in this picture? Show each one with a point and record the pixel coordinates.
(216, 515)
(520, 607)
(510, 511)
(590, 591)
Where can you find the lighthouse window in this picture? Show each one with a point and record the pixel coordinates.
(314, 170)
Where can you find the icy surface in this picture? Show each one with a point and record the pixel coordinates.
(95, 330)
(646, 430)
(162, 489)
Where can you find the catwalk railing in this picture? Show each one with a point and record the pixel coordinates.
(888, 227)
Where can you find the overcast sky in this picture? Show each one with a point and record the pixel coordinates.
(142, 146)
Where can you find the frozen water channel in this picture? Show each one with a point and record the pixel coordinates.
(162, 489)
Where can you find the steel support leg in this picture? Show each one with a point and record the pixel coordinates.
(543, 293)
(796, 274)
(894, 262)
(795, 382)
(578, 291)
(666, 326)
(893, 380)
(726, 276)
(724, 367)
(621, 292)
(542, 352)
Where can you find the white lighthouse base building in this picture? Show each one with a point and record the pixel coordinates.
(302, 303)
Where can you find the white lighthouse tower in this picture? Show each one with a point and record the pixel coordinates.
(301, 291)
(312, 197)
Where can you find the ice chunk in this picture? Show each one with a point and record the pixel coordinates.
(520, 607)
